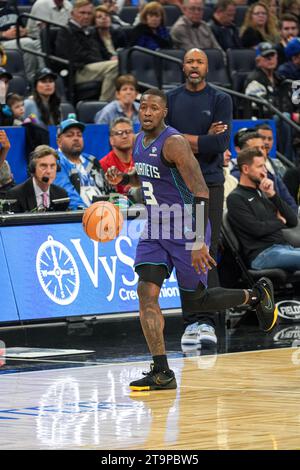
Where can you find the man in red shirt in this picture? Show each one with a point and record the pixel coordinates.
(121, 139)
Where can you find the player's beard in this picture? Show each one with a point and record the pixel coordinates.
(255, 180)
(75, 152)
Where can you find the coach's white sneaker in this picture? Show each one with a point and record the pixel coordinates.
(190, 336)
(206, 334)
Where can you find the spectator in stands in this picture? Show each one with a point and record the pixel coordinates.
(38, 192)
(290, 6)
(121, 140)
(6, 116)
(258, 215)
(58, 11)
(110, 38)
(114, 9)
(291, 69)
(230, 181)
(273, 7)
(80, 45)
(265, 82)
(289, 28)
(204, 116)
(223, 27)
(190, 30)
(254, 140)
(125, 104)
(81, 174)
(151, 32)
(258, 26)
(44, 104)
(16, 104)
(8, 34)
(6, 176)
(265, 131)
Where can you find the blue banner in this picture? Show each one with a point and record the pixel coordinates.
(8, 309)
(57, 271)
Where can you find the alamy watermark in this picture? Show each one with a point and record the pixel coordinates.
(165, 222)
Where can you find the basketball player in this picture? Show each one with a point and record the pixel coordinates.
(169, 174)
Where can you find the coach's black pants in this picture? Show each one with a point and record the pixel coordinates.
(215, 214)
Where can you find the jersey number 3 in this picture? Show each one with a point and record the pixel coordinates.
(148, 194)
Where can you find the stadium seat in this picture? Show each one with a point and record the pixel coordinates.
(15, 64)
(18, 85)
(128, 14)
(217, 72)
(240, 63)
(240, 14)
(172, 73)
(86, 110)
(173, 12)
(208, 12)
(66, 109)
(141, 65)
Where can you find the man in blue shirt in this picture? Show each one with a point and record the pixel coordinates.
(125, 104)
(204, 116)
(81, 174)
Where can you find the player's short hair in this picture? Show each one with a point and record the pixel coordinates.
(119, 120)
(126, 79)
(155, 92)
(81, 3)
(248, 136)
(264, 126)
(13, 98)
(246, 156)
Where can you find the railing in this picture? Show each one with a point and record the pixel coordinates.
(158, 65)
(47, 54)
(159, 75)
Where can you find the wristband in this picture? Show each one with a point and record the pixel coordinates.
(125, 179)
(200, 216)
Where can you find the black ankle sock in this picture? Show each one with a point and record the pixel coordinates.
(160, 363)
(254, 296)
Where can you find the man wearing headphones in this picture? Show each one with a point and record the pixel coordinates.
(38, 193)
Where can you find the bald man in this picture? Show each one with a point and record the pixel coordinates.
(204, 116)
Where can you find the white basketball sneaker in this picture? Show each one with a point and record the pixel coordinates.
(190, 336)
(206, 334)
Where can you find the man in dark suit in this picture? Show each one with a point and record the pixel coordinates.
(37, 193)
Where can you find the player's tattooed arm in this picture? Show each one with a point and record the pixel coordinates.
(178, 151)
(115, 176)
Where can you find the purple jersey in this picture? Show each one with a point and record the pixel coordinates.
(166, 239)
(161, 181)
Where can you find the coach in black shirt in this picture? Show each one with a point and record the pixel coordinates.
(258, 215)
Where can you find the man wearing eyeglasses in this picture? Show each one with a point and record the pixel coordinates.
(265, 82)
(121, 139)
(190, 30)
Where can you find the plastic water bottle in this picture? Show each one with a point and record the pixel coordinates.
(2, 92)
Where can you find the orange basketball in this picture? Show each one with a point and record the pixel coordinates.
(102, 221)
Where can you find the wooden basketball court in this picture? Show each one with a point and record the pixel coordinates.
(246, 400)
